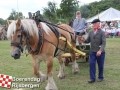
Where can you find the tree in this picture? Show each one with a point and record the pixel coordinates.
(50, 12)
(85, 11)
(2, 21)
(97, 7)
(15, 15)
(68, 9)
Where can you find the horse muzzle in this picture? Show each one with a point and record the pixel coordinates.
(16, 54)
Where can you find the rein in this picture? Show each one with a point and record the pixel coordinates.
(55, 26)
(59, 27)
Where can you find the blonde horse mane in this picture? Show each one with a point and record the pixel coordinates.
(29, 25)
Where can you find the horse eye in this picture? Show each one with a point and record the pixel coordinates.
(19, 36)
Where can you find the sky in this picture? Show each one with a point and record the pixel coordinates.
(26, 6)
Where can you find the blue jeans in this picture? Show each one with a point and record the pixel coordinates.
(92, 62)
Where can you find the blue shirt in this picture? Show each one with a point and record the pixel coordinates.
(79, 24)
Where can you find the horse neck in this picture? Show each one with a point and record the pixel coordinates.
(33, 41)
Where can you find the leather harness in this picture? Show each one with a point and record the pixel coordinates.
(28, 47)
(40, 42)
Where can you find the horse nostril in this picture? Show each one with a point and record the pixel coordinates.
(16, 55)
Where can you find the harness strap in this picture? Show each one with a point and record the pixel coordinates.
(54, 30)
(17, 45)
(39, 45)
(53, 44)
(57, 34)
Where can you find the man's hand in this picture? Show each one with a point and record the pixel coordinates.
(99, 53)
(81, 39)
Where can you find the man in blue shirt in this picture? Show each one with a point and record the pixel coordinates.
(79, 24)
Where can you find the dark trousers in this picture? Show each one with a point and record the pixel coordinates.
(92, 62)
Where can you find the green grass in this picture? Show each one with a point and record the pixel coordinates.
(23, 68)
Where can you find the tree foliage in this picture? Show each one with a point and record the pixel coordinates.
(85, 11)
(50, 12)
(15, 15)
(97, 7)
(68, 8)
(64, 13)
(2, 21)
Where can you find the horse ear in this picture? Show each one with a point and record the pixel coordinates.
(9, 22)
(18, 22)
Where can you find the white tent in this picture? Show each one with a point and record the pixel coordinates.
(107, 15)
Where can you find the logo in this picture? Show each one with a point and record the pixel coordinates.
(9, 82)
(5, 81)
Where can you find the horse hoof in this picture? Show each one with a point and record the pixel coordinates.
(51, 88)
(61, 77)
(76, 72)
(43, 78)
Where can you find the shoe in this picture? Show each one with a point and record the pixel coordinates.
(91, 81)
(99, 80)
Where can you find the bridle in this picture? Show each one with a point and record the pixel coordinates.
(19, 44)
(27, 39)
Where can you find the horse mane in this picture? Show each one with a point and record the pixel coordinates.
(11, 29)
(29, 26)
(45, 28)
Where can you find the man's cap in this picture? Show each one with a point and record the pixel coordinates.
(95, 21)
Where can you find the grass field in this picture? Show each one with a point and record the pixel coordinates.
(23, 68)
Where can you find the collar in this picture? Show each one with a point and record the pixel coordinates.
(95, 30)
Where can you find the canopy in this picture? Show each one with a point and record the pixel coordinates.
(110, 14)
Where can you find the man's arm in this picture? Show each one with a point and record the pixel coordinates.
(103, 41)
(88, 38)
(83, 40)
(102, 48)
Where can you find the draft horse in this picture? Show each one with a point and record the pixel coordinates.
(41, 44)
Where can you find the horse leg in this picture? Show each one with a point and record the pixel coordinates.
(61, 74)
(37, 72)
(51, 84)
(75, 68)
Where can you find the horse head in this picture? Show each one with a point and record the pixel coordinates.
(16, 35)
(22, 33)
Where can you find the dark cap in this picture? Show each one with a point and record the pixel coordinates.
(95, 21)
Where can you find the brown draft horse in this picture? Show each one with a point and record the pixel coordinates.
(25, 33)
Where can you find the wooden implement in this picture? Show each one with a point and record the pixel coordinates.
(75, 49)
